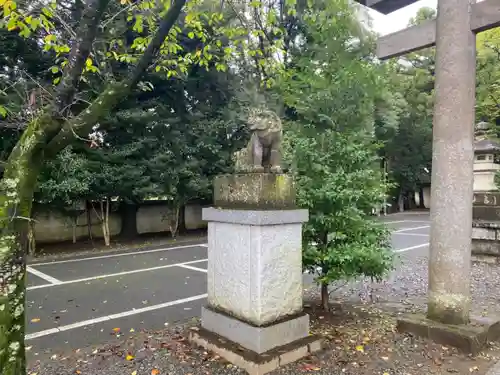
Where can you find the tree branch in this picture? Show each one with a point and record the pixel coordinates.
(154, 46)
(82, 124)
(85, 36)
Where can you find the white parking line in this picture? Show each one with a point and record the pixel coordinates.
(406, 221)
(193, 268)
(411, 228)
(411, 248)
(89, 322)
(412, 234)
(118, 255)
(43, 276)
(114, 274)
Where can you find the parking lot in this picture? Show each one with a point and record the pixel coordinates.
(82, 301)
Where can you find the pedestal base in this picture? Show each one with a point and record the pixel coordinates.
(256, 339)
(470, 338)
(254, 363)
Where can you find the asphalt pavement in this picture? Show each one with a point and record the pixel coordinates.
(86, 300)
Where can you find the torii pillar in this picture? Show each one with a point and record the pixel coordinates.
(454, 35)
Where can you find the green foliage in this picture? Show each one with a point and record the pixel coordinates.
(404, 115)
(336, 183)
(330, 90)
(488, 77)
(330, 72)
(66, 180)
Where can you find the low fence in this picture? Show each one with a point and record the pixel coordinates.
(52, 226)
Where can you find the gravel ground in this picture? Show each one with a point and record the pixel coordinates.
(360, 337)
(359, 341)
(406, 287)
(495, 370)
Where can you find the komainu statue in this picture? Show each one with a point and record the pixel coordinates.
(263, 152)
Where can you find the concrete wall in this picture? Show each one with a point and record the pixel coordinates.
(52, 227)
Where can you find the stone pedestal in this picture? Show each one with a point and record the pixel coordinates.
(255, 274)
(486, 227)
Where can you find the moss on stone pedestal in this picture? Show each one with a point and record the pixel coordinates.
(254, 191)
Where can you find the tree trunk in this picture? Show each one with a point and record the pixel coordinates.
(325, 297)
(16, 198)
(128, 213)
(105, 221)
(88, 205)
(43, 138)
(31, 238)
(421, 197)
(401, 202)
(174, 221)
(75, 224)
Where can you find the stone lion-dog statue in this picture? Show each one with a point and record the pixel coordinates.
(263, 151)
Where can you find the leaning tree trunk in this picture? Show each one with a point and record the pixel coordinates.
(45, 136)
(16, 197)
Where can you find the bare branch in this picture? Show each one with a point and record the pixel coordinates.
(86, 34)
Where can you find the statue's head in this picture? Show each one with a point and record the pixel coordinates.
(260, 118)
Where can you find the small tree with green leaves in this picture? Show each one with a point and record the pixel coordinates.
(64, 185)
(338, 182)
(330, 90)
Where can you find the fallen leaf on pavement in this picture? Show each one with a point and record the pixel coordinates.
(35, 320)
(155, 371)
(129, 357)
(309, 367)
(360, 348)
(116, 329)
(134, 373)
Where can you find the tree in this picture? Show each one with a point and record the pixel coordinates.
(330, 88)
(488, 77)
(409, 103)
(88, 40)
(64, 185)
